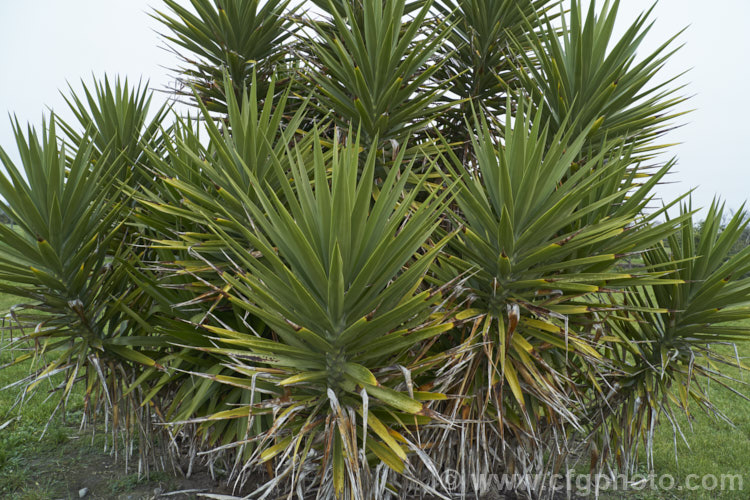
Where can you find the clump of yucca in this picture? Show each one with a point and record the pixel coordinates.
(396, 238)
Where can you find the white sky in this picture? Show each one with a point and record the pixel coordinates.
(46, 43)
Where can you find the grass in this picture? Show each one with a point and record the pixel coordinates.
(713, 446)
(53, 466)
(6, 302)
(21, 442)
(63, 460)
(132, 481)
(59, 462)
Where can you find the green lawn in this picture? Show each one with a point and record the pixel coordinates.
(6, 302)
(715, 447)
(20, 443)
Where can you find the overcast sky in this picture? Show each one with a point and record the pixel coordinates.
(46, 43)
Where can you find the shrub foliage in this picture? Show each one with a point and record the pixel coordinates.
(388, 238)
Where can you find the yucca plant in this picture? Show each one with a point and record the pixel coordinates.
(182, 273)
(483, 36)
(582, 71)
(244, 38)
(242, 149)
(486, 37)
(376, 70)
(63, 255)
(665, 356)
(530, 290)
(116, 117)
(326, 282)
